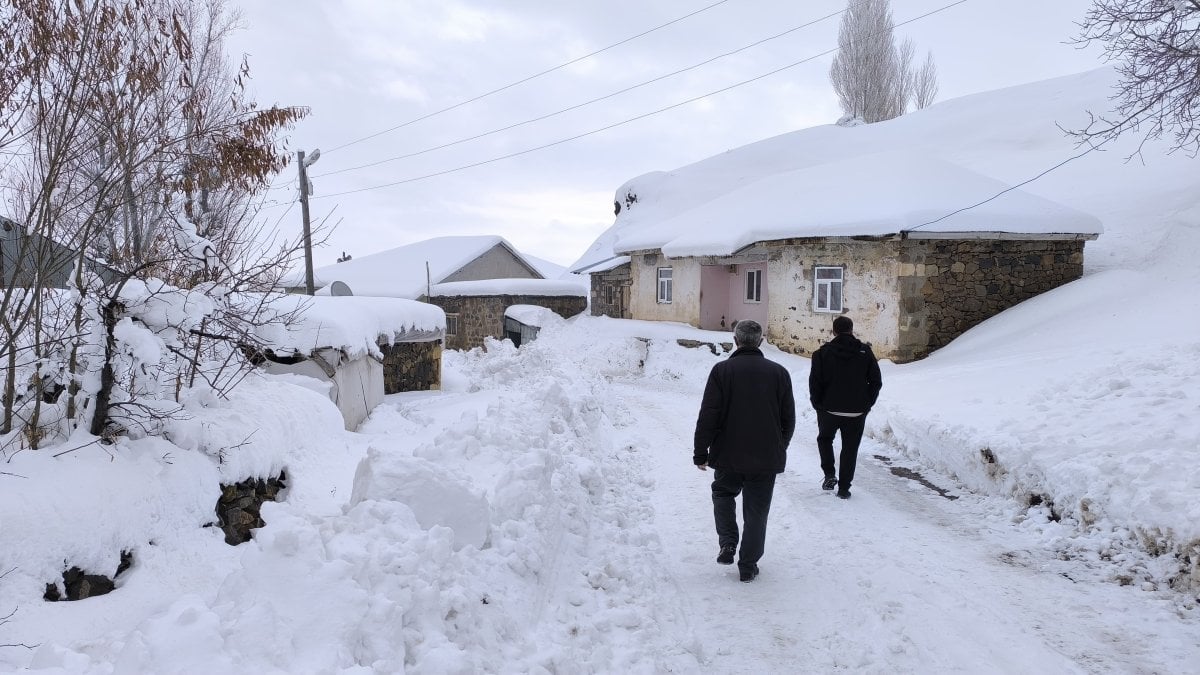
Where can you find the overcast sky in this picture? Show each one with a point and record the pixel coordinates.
(364, 66)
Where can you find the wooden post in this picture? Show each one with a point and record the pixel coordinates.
(308, 263)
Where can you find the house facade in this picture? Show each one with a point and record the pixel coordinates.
(908, 295)
(914, 248)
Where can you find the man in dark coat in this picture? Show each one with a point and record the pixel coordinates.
(843, 385)
(746, 422)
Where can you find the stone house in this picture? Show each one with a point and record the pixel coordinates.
(410, 271)
(472, 278)
(911, 266)
(476, 310)
(611, 284)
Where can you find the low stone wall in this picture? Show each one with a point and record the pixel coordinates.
(239, 505)
(481, 317)
(948, 286)
(412, 366)
(80, 585)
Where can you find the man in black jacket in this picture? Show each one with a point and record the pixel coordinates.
(746, 422)
(843, 384)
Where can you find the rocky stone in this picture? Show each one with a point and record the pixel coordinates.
(78, 584)
(239, 506)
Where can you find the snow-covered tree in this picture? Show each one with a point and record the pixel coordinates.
(1155, 45)
(872, 75)
(925, 86)
(129, 139)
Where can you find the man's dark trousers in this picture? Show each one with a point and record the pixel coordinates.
(851, 429)
(756, 490)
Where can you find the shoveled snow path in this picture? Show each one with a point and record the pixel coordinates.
(897, 579)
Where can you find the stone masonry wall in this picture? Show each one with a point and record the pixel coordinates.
(621, 278)
(948, 286)
(412, 366)
(480, 317)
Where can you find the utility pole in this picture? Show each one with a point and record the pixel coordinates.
(305, 191)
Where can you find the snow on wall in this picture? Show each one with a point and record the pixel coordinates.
(542, 287)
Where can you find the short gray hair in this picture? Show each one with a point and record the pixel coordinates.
(747, 334)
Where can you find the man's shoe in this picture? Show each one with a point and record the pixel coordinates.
(829, 483)
(725, 557)
(843, 494)
(747, 574)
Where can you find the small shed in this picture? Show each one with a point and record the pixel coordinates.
(363, 348)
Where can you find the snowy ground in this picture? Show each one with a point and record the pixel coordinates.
(541, 514)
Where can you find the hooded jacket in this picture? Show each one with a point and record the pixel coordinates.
(747, 416)
(844, 376)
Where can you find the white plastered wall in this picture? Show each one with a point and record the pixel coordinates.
(685, 302)
(871, 294)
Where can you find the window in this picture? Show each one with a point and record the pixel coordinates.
(609, 294)
(664, 284)
(754, 286)
(451, 325)
(827, 289)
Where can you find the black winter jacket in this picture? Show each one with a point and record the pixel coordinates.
(844, 376)
(747, 416)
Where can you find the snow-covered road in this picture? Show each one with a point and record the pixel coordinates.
(897, 579)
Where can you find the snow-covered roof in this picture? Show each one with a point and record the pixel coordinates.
(542, 287)
(1010, 135)
(353, 324)
(878, 194)
(400, 272)
(532, 315)
(605, 265)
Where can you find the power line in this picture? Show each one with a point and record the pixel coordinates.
(527, 79)
(586, 103)
(1010, 188)
(623, 122)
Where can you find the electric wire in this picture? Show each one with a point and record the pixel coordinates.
(587, 103)
(622, 122)
(1010, 188)
(527, 79)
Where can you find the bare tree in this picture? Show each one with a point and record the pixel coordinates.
(1156, 47)
(925, 86)
(129, 138)
(873, 77)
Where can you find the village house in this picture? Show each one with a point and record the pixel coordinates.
(472, 278)
(915, 249)
(29, 259)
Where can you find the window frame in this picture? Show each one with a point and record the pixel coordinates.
(825, 286)
(610, 293)
(755, 290)
(452, 324)
(666, 283)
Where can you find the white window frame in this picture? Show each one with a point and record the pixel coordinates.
(610, 294)
(666, 285)
(451, 325)
(753, 294)
(823, 289)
